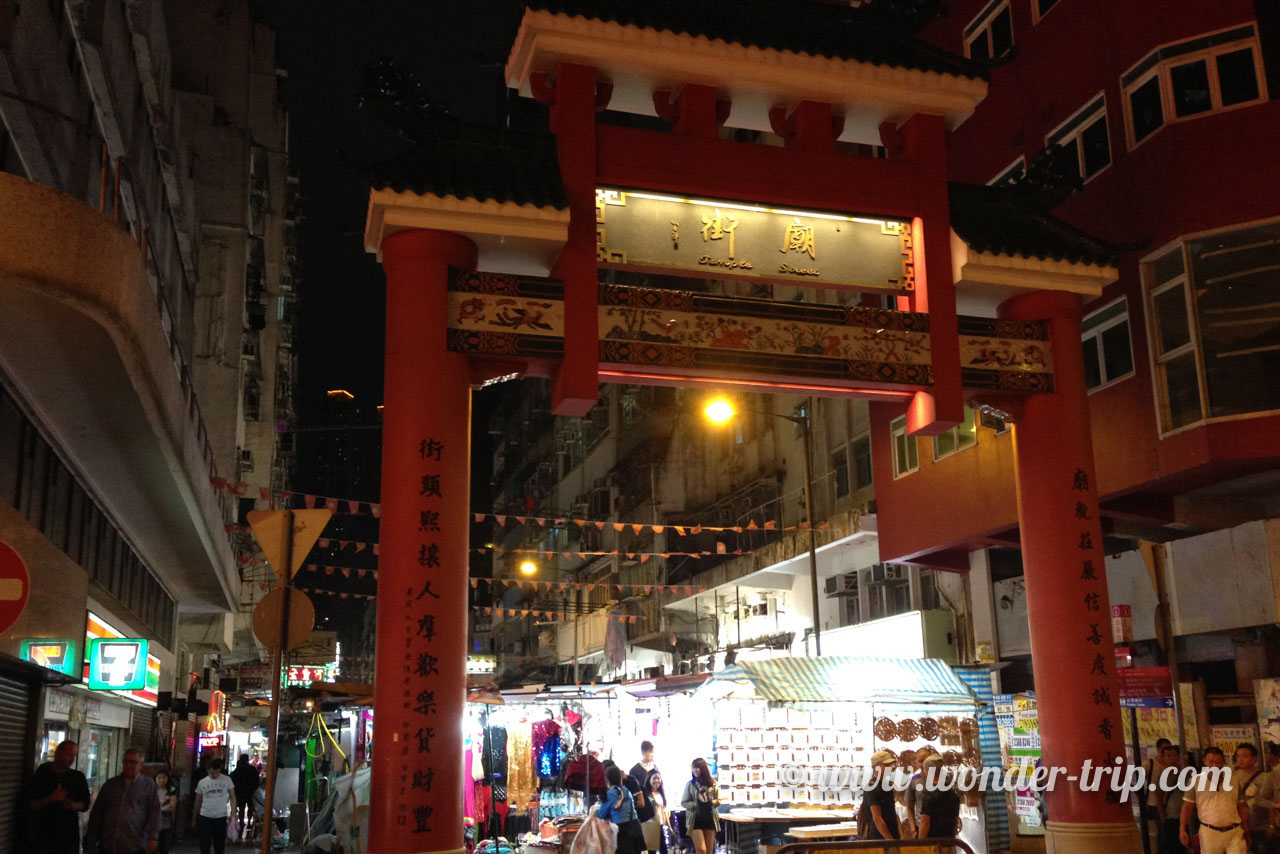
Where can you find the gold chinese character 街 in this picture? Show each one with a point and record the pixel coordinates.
(798, 238)
(715, 228)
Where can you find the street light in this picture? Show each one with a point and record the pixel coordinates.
(528, 568)
(719, 411)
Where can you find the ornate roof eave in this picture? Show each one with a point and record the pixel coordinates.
(638, 60)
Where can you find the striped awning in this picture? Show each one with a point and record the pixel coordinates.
(845, 679)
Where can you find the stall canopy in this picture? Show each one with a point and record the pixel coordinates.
(843, 679)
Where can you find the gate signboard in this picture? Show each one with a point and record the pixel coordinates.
(727, 239)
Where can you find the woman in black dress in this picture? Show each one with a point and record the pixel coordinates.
(701, 797)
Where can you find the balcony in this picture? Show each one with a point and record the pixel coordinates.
(91, 345)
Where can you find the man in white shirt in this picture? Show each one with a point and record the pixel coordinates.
(1224, 820)
(215, 800)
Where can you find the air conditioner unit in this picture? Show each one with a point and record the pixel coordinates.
(842, 585)
(883, 572)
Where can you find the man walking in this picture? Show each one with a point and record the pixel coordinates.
(878, 815)
(245, 777)
(215, 799)
(939, 803)
(126, 816)
(1169, 802)
(1224, 827)
(55, 796)
(1257, 788)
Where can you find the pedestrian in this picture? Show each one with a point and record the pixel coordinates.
(939, 803)
(646, 766)
(168, 793)
(215, 801)
(1169, 804)
(245, 777)
(620, 808)
(55, 796)
(632, 785)
(877, 815)
(700, 800)
(125, 818)
(1258, 789)
(657, 823)
(1219, 806)
(1156, 797)
(914, 764)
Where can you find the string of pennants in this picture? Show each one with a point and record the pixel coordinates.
(637, 528)
(312, 502)
(563, 586)
(534, 586)
(487, 610)
(346, 505)
(631, 619)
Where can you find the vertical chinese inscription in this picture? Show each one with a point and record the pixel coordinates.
(1084, 511)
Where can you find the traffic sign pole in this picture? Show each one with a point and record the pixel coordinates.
(277, 661)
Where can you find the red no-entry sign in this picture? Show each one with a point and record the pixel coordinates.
(15, 586)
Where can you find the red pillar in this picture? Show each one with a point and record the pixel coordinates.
(1065, 572)
(420, 687)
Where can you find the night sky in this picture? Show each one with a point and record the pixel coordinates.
(457, 50)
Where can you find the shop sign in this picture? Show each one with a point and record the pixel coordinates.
(254, 677)
(301, 676)
(1229, 737)
(207, 740)
(481, 664)
(726, 239)
(1122, 624)
(145, 665)
(216, 720)
(54, 654)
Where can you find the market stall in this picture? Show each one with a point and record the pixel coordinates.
(533, 759)
(788, 730)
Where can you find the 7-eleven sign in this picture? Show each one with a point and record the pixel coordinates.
(117, 664)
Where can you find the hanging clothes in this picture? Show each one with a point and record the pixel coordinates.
(468, 784)
(520, 767)
(546, 748)
(495, 755)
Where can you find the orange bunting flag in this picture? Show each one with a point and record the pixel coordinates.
(520, 519)
(618, 526)
(560, 521)
(342, 544)
(328, 570)
(644, 558)
(579, 522)
(647, 589)
(636, 529)
(475, 582)
(697, 529)
(264, 493)
(657, 529)
(353, 506)
(590, 587)
(688, 590)
(751, 526)
(375, 510)
(479, 517)
(376, 549)
(331, 504)
(702, 590)
(599, 526)
(502, 520)
(770, 525)
(360, 547)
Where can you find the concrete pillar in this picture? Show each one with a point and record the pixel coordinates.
(420, 694)
(1066, 581)
(982, 602)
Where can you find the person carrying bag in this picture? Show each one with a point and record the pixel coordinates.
(701, 797)
(620, 809)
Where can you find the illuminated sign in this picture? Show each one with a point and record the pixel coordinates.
(149, 690)
(481, 664)
(216, 722)
(53, 653)
(207, 740)
(300, 676)
(722, 238)
(117, 664)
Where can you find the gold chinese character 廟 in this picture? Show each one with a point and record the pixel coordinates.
(798, 238)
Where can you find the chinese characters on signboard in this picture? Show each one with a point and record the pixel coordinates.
(721, 238)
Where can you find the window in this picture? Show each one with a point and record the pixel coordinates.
(1016, 169)
(906, 454)
(957, 438)
(1084, 135)
(991, 33)
(1191, 79)
(862, 462)
(1108, 355)
(840, 471)
(1215, 324)
(1040, 8)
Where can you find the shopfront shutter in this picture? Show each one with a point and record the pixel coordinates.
(141, 725)
(15, 713)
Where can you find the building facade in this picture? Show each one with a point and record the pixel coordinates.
(113, 431)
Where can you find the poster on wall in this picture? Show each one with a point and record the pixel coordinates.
(1266, 693)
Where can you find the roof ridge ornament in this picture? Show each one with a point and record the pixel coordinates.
(400, 101)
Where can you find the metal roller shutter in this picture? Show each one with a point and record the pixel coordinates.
(15, 715)
(141, 725)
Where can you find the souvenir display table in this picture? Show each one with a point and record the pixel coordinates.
(743, 828)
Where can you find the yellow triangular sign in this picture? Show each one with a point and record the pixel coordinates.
(269, 528)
